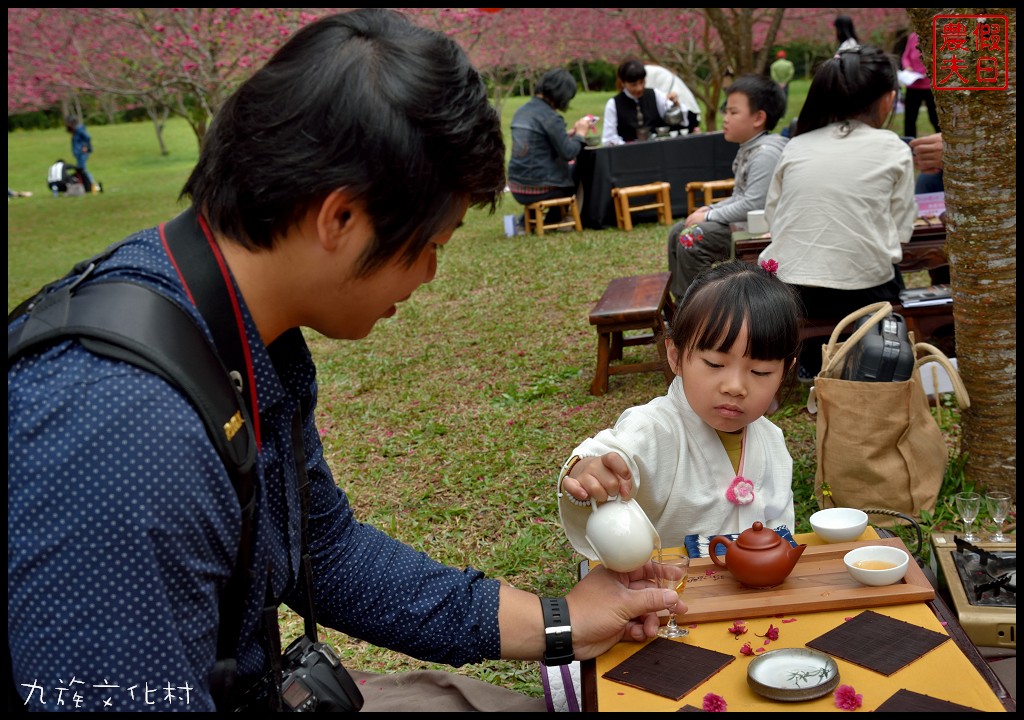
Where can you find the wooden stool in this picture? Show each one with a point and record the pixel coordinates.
(712, 189)
(623, 210)
(639, 302)
(533, 217)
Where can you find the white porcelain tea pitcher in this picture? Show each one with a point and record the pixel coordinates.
(621, 534)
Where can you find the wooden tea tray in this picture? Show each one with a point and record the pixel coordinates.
(818, 582)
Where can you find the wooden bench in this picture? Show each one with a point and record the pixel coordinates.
(533, 216)
(639, 302)
(624, 211)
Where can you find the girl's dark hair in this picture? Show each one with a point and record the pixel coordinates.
(848, 86)
(844, 29)
(558, 87)
(365, 101)
(725, 296)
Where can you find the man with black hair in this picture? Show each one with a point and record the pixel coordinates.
(754, 104)
(636, 110)
(123, 521)
(81, 148)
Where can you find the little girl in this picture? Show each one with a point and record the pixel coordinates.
(702, 459)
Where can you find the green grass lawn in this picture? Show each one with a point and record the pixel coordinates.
(448, 424)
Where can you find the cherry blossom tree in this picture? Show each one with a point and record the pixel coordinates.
(183, 61)
(511, 46)
(187, 60)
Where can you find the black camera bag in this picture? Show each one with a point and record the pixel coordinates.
(885, 354)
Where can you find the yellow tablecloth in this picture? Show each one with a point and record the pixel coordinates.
(944, 673)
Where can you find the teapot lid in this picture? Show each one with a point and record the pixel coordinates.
(758, 537)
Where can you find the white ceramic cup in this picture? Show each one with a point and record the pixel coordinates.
(621, 534)
(756, 223)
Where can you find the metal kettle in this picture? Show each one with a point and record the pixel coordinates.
(675, 115)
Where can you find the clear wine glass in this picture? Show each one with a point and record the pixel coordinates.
(969, 505)
(670, 570)
(998, 503)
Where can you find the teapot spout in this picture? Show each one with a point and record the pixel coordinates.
(796, 552)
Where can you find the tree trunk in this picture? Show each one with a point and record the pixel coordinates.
(979, 131)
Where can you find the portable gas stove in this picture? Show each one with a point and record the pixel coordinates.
(982, 582)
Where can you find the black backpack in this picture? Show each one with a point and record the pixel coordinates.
(160, 337)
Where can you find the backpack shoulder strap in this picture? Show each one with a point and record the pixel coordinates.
(157, 336)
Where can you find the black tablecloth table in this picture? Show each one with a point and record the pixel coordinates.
(679, 160)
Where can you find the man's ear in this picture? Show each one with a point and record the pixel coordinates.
(334, 218)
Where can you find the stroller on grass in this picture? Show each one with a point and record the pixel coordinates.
(65, 179)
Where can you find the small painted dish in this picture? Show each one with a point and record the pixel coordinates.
(793, 674)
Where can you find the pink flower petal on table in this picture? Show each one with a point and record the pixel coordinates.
(846, 698)
(714, 703)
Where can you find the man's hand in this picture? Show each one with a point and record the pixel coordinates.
(607, 607)
(927, 152)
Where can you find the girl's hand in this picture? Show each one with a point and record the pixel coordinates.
(599, 478)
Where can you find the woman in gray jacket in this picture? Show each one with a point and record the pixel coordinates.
(541, 148)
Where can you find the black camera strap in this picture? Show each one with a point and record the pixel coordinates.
(305, 571)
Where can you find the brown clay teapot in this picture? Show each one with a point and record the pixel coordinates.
(758, 558)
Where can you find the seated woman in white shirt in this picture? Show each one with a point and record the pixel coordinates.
(841, 201)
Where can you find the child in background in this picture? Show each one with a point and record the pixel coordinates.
(841, 202)
(753, 106)
(702, 459)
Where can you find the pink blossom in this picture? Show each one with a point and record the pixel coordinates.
(738, 628)
(770, 265)
(847, 698)
(714, 703)
(740, 492)
(771, 634)
(789, 620)
(746, 649)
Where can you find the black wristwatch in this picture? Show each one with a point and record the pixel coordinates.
(557, 632)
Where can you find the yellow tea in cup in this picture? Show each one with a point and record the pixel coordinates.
(874, 565)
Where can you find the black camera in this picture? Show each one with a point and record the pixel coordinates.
(314, 680)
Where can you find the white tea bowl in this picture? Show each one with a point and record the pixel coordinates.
(621, 534)
(877, 564)
(835, 525)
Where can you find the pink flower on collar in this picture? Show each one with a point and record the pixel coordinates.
(740, 492)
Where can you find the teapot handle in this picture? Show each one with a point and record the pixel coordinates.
(715, 542)
(593, 502)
